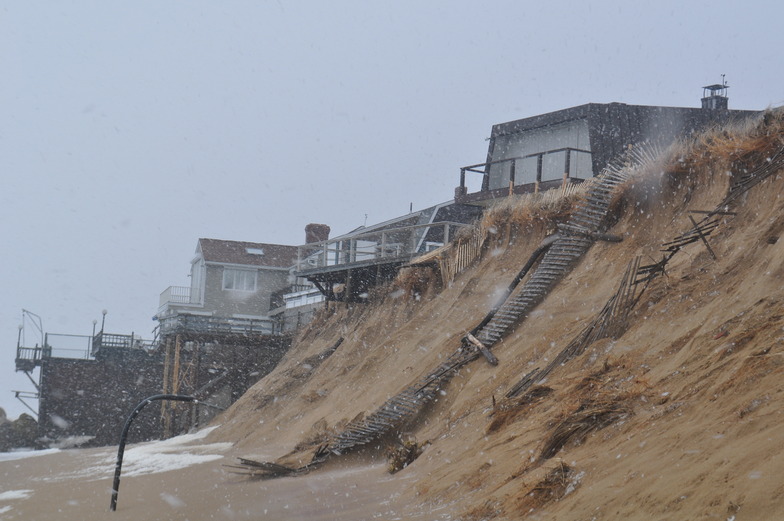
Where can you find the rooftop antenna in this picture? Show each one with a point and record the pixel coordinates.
(715, 96)
(28, 317)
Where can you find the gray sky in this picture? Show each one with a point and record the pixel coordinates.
(130, 129)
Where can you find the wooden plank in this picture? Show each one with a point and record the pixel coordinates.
(712, 212)
(702, 237)
(490, 357)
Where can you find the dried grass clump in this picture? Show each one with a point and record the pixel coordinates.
(733, 147)
(530, 211)
(404, 453)
(510, 409)
(591, 415)
(415, 282)
(551, 487)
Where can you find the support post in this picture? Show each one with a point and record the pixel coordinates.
(539, 167)
(170, 418)
(176, 368)
(349, 289)
(166, 371)
(512, 176)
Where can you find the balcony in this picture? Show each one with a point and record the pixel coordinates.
(179, 296)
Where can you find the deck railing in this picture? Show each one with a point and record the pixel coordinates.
(56, 345)
(179, 295)
(211, 324)
(114, 341)
(277, 298)
(515, 166)
(376, 246)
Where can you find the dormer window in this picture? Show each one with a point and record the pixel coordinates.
(239, 280)
(255, 251)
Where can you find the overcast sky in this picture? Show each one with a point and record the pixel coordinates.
(130, 129)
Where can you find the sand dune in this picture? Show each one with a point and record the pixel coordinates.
(676, 417)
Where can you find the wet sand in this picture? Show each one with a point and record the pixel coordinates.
(76, 485)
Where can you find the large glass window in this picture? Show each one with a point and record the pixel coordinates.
(240, 280)
(572, 134)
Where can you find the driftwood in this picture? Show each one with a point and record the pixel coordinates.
(482, 349)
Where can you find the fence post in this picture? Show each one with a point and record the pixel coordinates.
(512, 176)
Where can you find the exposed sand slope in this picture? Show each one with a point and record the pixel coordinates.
(695, 381)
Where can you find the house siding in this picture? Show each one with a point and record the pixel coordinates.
(227, 303)
(572, 134)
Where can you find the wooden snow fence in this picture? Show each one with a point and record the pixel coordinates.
(613, 319)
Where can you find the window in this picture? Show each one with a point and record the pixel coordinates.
(255, 251)
(240, 280)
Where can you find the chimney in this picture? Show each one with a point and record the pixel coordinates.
(316, 233)
(714, 97)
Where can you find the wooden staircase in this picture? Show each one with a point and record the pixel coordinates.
(571, 242)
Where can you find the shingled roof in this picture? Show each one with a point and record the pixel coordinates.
(247, 253)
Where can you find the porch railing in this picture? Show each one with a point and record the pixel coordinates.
(180, 295)
(376, 246)
(277, 298)
(182, 323)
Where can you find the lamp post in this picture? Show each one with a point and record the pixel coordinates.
(92, 339)
(124, 437)
(103, 320)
